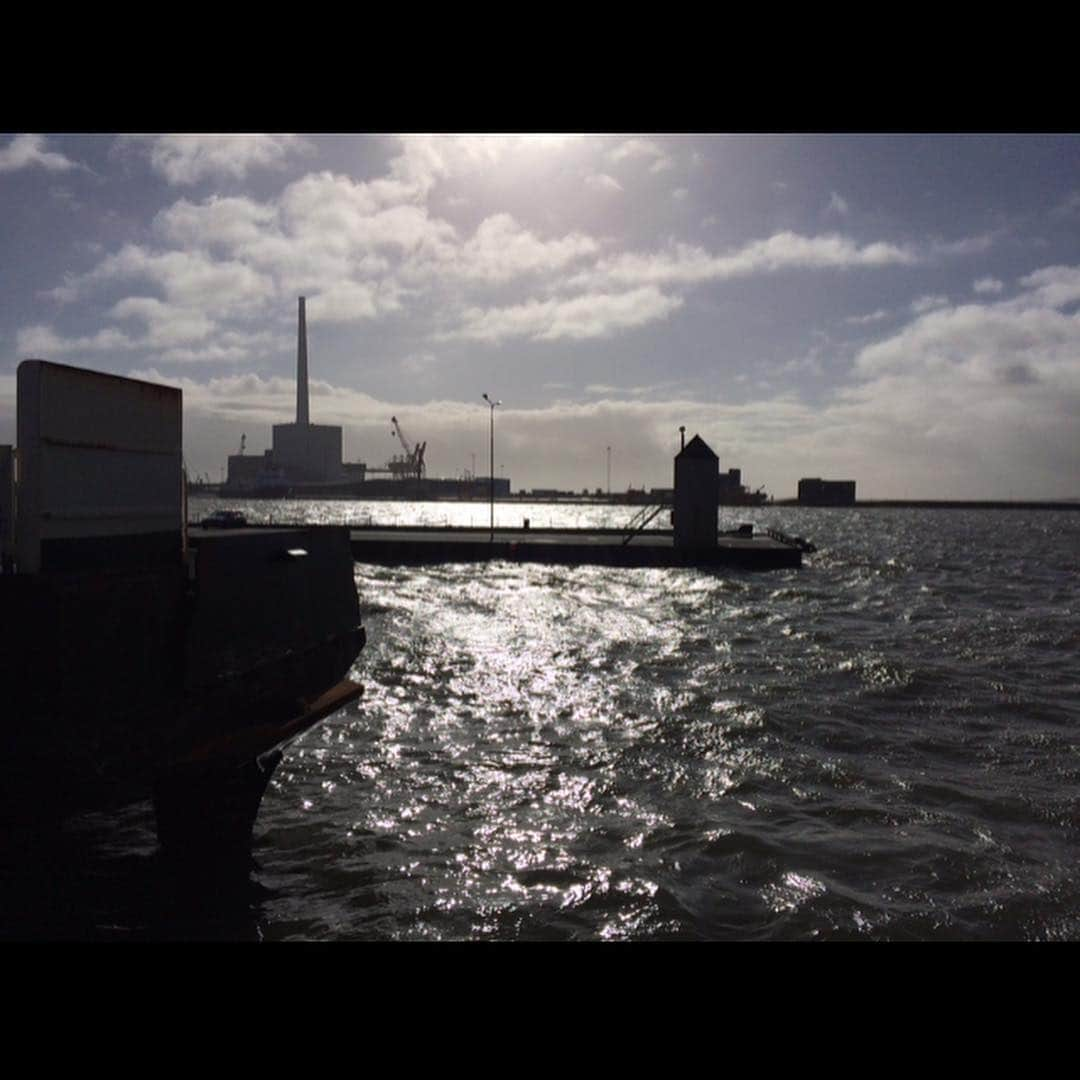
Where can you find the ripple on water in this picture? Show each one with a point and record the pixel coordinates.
(877, 746)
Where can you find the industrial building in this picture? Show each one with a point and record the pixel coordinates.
(302, 453)
(306, 459)
(813, 491)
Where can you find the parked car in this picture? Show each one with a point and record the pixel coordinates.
(224, 519)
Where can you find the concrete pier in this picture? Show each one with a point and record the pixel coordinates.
(418, 546)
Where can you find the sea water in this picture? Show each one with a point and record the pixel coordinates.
(879, 745)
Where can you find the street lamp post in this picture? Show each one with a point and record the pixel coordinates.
(491, 468)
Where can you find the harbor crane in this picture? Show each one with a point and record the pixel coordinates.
(412, 463)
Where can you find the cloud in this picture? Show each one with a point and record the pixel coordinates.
(347, 301)
(425, 160)
(1068, 207)
(272, 399)
(642, 150)
(928, 303)
(864, 320)
(356, 249)
(173, 338)
(351, 215)
(187, 278)
(978, 339)
(26, 151)
(165, 324)
(988, 285)
(684, 264)
(230, 224)
(838, 205)
(967, 245)
(501, 250)
(39, 342)
(593, 315)
(189, 159)
(1052, 286)
(968, 401)
(602, 182)
(419, 364)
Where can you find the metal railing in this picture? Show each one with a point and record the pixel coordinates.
(638, 522)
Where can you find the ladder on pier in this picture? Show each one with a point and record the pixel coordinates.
(640, 520)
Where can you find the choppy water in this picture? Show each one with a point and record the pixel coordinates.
(882, 745)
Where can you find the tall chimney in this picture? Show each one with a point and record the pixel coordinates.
(301, 369)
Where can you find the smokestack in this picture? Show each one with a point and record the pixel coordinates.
(301, 369)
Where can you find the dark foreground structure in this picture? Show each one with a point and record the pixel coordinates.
(140, 660)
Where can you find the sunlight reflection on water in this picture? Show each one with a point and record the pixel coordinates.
(879, 745)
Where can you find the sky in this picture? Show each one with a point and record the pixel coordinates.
(901, 310)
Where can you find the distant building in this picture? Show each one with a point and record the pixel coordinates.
(730, 482)
(302, 452)
(308, 452)
(306, 459)
(813, 491)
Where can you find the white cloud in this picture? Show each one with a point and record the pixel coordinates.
(643, 150)
(187, 278)
(967, 245)
(425, 160)
(178, 338)
(188, 159)
(686, 265)
(165, 325)
(602, 182)
(231, 224)
(988, 285)
(592, 315)
(347, 301)
(838, 205)
(25, 151)
(965, 401)
(928, 303)
(352, 213)
(1053, 286)
(419, 364)
(345, 244)
(972, 400)
(980, 340)
(41, 342)
(864, 320)
(501, 250)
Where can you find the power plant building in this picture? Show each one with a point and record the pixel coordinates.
(306, 458)
(302, 452)
(308, 452)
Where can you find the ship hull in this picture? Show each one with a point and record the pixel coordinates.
(124, 683)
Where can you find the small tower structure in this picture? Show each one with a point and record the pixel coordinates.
(697, 495)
